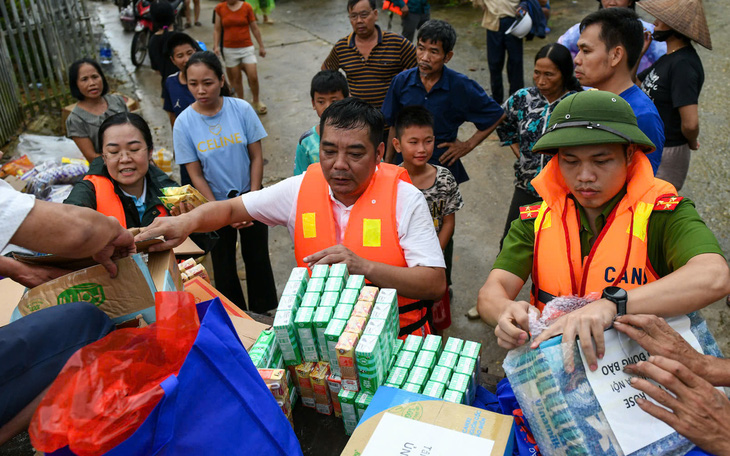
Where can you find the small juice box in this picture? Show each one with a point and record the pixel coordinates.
(398, 377)
(432, 343)
(454, 345)
(349, 413)
(362, 401)
(334, 383)
(334, 284)
(340, 270)
(434, 389)
(406, 359)
(320, 271)
(332, 334)
(454, 396)
(355, 282)
(356, 325)
(306, 392)
(388, 296)
(471, 349)
(418, 376)
(319, 374)
(412, 343)
(426, 360)
(290, 303)
(343, 311)
(362, 309)
(310, 299)
(329, 299)
(349, 296)
(448, 360)
(307, 338)
(346, 358)
(440, 374)
(285, 333)
(368, 294)
(412, 388)
(294, 289)
(322, 318)
(299, 275)
(316, 285)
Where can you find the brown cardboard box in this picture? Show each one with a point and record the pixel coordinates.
(121, 297)
(159, 263)
(457, 417)
(247, 329)
(203, 291)
(132, 106)
(10, 294)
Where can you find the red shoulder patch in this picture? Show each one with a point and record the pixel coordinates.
(667, 203)
(529, 212)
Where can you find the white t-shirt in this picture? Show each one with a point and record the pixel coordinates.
(277, 205)
(14, 208)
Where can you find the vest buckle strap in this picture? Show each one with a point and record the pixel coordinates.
(418, 305)
(542, 295)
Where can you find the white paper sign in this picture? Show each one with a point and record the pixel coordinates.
(634, 428)
(396, 435)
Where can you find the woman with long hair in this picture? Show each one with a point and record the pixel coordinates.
(218, 140)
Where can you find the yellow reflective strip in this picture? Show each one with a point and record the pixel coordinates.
(540, 215)
(371, 232)
(309, 224)
(641, 220)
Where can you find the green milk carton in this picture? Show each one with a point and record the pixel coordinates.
(343, 311)
(454, 396)
(355, 282)
(411, 388)
(434, 389)
(432, 343)
(406, 359)
(340, 270)
(334, 284)
(299, 275)
(426, 360)
(387, 296)
(362, 401)
(448, 360)
(288, 303)
(349, 413)
(286, 337)
(461, 383)
(471, 349)
(310, 299)
(412, 343)
(349, 296)
(316, 285)
(440, 374)
(322, 318)
(418, 376)
(294, 289)
(332, 335)
(329, 299)
(320, 271)
(454, 345)
(397, 377)
(369, 362)
(305, 330)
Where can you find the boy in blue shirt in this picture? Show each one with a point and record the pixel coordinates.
(328, 86)
(414, 140)
(177, 97)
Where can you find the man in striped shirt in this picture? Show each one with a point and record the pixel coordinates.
(369, 56)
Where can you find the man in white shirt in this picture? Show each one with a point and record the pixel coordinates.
(34, 349)
(350, 208)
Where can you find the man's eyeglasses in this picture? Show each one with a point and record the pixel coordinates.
(362, 15)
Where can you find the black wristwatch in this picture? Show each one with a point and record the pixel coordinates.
(617, 296)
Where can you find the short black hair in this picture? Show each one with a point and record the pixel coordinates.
(412, 116)
(351, 4)
(123, 118)
(73, 77)
(163, 15)
(351, 113)
(437, 30)
(329, 81)
(619, 27)
(178, 39)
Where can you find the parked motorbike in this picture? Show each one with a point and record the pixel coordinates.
(144, 28)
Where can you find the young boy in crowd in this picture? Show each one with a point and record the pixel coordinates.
(328, 86)
(414, 140)
(177, 97)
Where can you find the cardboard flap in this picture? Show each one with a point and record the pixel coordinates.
(248, 330)
(203, 291)
(125, 294)
(160, 264)
(10, 294)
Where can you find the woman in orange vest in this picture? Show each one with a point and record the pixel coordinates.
(122, 182)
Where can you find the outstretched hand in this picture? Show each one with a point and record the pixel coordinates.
(696, 409)
(174, 231)
(119, 247)
(339, 254)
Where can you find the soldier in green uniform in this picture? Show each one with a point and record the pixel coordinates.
(605, 225)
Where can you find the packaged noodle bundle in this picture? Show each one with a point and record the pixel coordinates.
(174, 196)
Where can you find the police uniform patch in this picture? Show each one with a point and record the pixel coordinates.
(667, 203)
(529, 212)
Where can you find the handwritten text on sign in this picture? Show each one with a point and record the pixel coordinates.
(634, 428)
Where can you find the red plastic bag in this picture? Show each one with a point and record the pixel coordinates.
(107, 389)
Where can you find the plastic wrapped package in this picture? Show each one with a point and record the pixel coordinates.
(563, 412)
(17, 167)
(40, 148)
(51, 173)
(108, 388)
(555, 309)
(59, 193)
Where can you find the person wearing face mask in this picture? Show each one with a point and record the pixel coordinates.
(652, 49)
(122, 183)
(675, 80)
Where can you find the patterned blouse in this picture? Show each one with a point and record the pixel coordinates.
(527, 114)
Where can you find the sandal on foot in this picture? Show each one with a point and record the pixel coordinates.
(260, 108)
(198, 24)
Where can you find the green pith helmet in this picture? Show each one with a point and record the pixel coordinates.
(589, 118)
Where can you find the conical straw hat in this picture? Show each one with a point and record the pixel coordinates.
(685, 16)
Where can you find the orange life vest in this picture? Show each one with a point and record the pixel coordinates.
(371, 231)
(109, 203)
(389, 6)
(619, 254)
